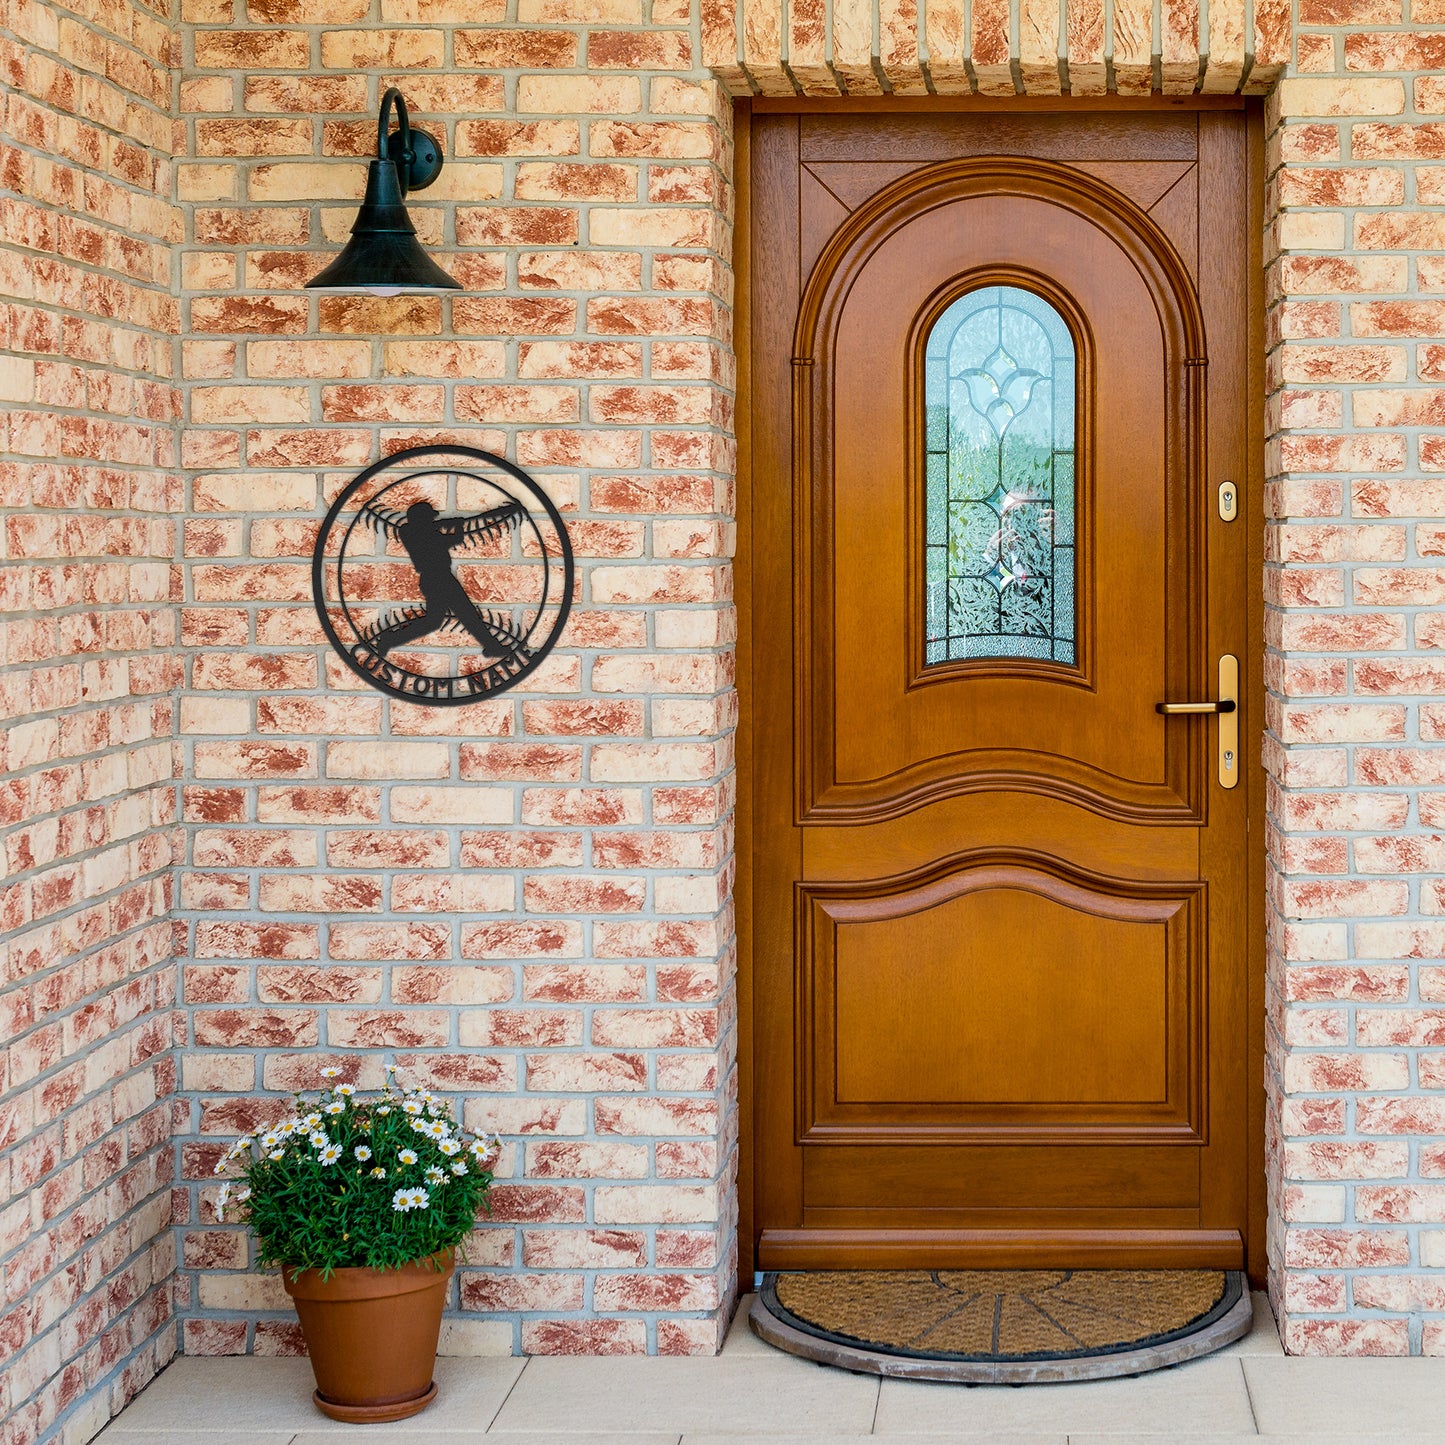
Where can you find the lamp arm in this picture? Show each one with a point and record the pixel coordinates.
(393, 97)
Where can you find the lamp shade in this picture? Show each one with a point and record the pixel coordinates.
(383, 256)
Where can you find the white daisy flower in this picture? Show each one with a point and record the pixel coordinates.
(242, 1195)
(331, 1073)
(450, 1146)
(331, 1154)
(270, 1140)
(336, 1106)
(345, 1090)
(311, 1120)
(407, 1156)
(437, 1129)
(419, 1125)
(435, 1176)
(319, 1139)
(392, 1068)
(407, 1199)
(412, 1106)
(220, 1166)
(277, 1154)
(459, 1167)
(362, 1152)
(378, 1172)
(385, 1109)
(289, 1127)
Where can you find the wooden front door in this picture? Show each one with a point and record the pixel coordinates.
(999, 373)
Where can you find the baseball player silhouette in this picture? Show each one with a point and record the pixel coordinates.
(429, 540)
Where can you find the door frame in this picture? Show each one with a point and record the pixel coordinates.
(1253, 516)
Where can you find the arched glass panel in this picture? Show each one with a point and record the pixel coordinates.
(999, 389)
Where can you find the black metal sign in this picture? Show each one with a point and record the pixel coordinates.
(442, 574)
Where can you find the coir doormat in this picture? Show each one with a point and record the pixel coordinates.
(1002, 1326)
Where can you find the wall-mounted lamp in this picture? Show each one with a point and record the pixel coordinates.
(383, 255)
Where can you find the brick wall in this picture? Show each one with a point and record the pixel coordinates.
(1354, 581)
(88, 670)
(525, 901)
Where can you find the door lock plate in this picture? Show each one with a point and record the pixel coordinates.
(1229, 721)
(1228, 501)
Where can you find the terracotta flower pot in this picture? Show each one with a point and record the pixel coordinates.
(372, 1336)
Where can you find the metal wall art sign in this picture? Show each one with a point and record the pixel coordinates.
(442, 575)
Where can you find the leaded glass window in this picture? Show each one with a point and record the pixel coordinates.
(1000, 395)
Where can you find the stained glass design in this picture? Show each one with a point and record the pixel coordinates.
(999, 392)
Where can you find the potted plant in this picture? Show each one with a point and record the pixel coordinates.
(362, 1202)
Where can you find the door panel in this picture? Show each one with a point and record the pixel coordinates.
(1087, 735)
(1019, 1036)
(904, 1182)
(1000, 963)
(917, 1031)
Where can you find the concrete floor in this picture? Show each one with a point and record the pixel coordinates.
(1242, 1393)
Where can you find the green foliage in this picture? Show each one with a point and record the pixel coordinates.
(350, 1180)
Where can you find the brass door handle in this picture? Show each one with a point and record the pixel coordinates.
(1226, 708)
(1174, 709)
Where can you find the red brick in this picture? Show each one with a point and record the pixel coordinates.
(555, 893)
(584, 1337)
(257, 940)
(536, 1204)
(634, 50)
(522, 940)
(521, 762)
(516, 49)
(665, 1292)
(517, 137)
(253, 1028)
(1345, 1249)
(513, 226)
(521, 1028)
(318, 985)
(582, 1249)
(389, 941)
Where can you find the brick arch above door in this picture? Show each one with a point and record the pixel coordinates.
(995, 48)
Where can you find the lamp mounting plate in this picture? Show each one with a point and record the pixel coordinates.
(426, 157)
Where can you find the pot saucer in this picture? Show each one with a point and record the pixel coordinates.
(375, 1414)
